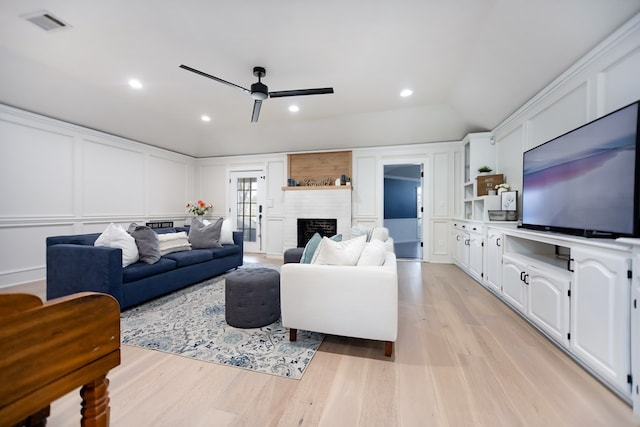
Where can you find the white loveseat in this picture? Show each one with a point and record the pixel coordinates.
(354, 301)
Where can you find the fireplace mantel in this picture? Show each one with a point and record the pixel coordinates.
(317, 187)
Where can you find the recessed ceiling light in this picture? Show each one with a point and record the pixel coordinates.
(406, 92)
(135, 83)
(205, 118)
(294, 108)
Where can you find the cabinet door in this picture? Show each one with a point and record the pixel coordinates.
(461, 248)
(475, 255)
(600, 325)
(548, 302)
(493, 270)
(514, 289)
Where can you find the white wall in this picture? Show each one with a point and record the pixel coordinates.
(57, 178)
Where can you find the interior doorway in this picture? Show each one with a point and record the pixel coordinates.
(246, 201)
(403, 208)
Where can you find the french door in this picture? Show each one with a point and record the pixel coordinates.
(246, 201)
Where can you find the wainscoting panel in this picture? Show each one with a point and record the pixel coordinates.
(440, 241)
(213, 187)
(36, 171)
(568, 112)
(24, 251)
(274, 237)
(276, 179)
(364, 186)
(168, 181)
(113, 180)
(614, 95)
(440, 189)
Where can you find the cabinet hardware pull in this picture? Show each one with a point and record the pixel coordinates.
(522, 276)
(498, 241)
(569, 261)
(526, 279)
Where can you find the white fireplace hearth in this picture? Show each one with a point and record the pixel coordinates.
(314, 203)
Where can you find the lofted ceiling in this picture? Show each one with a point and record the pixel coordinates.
(470, 64)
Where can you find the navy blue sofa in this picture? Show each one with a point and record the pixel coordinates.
(75, 265)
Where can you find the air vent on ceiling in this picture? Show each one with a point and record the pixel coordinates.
(46, 21)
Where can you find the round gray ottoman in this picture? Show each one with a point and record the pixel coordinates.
(252, 297)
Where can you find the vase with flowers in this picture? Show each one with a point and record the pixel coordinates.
(501, 188)
(199, 208)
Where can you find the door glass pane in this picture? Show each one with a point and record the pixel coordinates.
(247, 210)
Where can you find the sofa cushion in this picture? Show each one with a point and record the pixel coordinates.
(224, 251)
(373, 254)
(339, 253)
(173, 242)
(115, 237)
(147, 243)
(203, 235)
(194, 256)
(140, 270)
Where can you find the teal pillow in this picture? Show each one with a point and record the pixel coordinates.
(312, 245)
(310, 249)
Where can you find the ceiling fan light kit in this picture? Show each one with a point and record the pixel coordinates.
(259, 91)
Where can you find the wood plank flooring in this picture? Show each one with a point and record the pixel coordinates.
(462, 358)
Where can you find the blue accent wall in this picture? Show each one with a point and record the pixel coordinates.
(400, 198)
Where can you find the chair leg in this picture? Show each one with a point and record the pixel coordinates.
(293, 334)
(388, 348)
(95, 403)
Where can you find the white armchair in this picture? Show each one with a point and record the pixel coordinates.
(353, 301)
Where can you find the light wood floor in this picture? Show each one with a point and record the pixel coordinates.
(462, 358)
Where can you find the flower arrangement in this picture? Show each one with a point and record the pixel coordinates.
(199, 208)
(502, 187)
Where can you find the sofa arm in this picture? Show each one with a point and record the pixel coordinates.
(238, 239)
(81, 268)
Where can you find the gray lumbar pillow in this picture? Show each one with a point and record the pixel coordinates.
(203, 236)
(147, 243)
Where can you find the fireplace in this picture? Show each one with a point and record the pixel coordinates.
(315, 203)
(307, 227)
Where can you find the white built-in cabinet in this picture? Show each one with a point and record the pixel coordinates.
(576, 291)
(478, 150)
(600, 327)
(493, 261)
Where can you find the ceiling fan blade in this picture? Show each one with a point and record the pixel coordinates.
(301, 92)
(256, 110)
(193, 70)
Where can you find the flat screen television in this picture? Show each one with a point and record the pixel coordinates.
(585, 182)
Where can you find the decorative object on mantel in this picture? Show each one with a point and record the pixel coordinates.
(487, 182)
(199, 208)
(484, 170)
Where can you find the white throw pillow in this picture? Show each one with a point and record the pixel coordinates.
(173, 242)
(380, 233)
(346, 252)
(116, 237)
(226, 234)
(374, 253)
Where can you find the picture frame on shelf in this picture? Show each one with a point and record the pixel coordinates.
(509, 200)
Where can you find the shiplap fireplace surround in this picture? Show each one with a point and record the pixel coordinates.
(316, 203)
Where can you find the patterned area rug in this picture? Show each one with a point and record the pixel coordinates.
(191, 323)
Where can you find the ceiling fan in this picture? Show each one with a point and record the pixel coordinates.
(259, 91)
